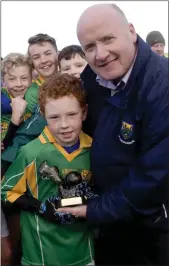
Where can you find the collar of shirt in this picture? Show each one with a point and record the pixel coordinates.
(110, 85)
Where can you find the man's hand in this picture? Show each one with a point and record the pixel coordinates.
(18, 109)
(78, 211)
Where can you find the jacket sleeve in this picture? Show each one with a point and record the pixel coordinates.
(14, 187)
(12, 128)
(146, 186)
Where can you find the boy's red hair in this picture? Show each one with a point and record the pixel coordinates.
(60, 85)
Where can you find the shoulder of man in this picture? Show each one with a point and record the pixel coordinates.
(156, 75)
(87, 73)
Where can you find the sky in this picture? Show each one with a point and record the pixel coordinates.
(20, 20)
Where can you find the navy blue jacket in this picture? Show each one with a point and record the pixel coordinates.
(130, 150)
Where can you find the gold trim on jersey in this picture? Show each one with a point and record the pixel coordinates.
(39, 81)
(30, 175)
(85, 142)
(20, 188)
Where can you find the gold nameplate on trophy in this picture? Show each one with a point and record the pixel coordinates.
(74, 201)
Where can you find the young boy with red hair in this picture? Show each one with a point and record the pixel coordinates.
(49, 237)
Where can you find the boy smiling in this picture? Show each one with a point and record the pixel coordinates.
(62, 146)
(16, 72)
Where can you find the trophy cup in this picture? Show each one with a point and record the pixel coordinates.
(67, 186)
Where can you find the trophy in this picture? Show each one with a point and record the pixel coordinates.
(67, 187)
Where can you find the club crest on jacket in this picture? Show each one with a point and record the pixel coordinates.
(126, 133)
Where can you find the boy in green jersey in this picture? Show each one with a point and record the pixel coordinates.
(43, 53)
(49, 237)
(17, 75)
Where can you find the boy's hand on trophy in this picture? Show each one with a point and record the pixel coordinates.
(48, 211)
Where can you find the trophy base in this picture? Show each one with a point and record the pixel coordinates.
(72, 202)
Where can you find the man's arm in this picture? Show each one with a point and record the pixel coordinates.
(146, 186)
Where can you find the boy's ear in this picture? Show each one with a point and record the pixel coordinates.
(41, 113)
(85, 110)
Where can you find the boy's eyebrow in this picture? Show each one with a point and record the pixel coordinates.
(35, 55)
(51, 115)
(26, 74)
(10, 74)
(43, 52)
(68, 112)
(47, 51)
(65, 66)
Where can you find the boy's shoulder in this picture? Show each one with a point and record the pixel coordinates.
(31, 95)
(32, 89)
(35, 84)
(33, 149)
(85, 140)
(4, 92)
(38, 82)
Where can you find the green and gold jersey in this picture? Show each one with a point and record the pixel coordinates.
(46, 243)
(6, 118)
(31, 95)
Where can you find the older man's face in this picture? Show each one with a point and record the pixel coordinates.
(109, 44)
(158, 48)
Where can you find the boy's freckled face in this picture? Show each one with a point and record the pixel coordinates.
(17, 80)
(64, 117)
(73, 66)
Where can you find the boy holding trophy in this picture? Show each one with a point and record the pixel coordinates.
(50, 172)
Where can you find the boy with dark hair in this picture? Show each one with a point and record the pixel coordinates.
(65, 149)
(71, 60)
(70, 57)
(43, 53)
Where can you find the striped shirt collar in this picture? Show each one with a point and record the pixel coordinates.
(47, 137)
